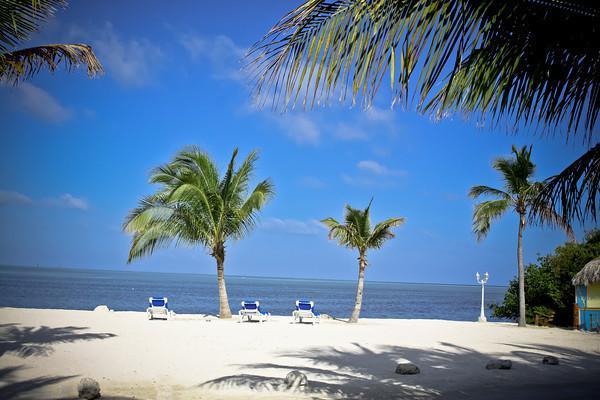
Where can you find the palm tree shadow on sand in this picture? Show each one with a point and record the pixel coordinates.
(26, 341)
(447, 371)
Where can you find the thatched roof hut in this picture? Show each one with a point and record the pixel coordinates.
(590, 273)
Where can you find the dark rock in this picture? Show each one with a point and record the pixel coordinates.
(88, 389)
(550, 360)
(295, 379)
(499, 364)
(407, 369)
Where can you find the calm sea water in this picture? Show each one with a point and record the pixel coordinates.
(194, 293)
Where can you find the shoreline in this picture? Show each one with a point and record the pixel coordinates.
(45, 352)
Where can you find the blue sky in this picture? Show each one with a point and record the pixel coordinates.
(76, 154)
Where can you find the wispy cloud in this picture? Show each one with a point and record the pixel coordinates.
(312, 182)
(10, 197)
(372, 173)
(39, 103)
(299, 128)
(378, 169)
(350, 132)
(293, 226)
(220, 52)
(65, 200)
(129, 61)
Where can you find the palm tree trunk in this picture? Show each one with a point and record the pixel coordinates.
(522, 319)
(224, 310)
(362, 263)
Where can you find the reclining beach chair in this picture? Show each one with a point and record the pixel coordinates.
(251, 310)
(158, 307)
(306, 310)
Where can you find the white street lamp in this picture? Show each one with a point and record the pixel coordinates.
(482, 282)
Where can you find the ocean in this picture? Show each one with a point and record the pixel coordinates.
(84, 289)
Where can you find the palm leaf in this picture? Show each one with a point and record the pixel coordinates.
(574, 193)
(20, 18)
(485, 212)
(23, 64)
(496, 60)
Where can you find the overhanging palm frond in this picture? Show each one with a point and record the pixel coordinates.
(575, 192)
(485, 212)
(23, 64)
(496, 59)
(20, 18)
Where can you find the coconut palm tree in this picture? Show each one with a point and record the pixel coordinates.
(496, 60)
(196, 207)
(356, 233)
(18, 20)
(519, 193)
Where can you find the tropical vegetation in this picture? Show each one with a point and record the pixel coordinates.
(18, 20)
(357, 233)
(548, 287)
(504, 63)
(195, 206)
(518, 194)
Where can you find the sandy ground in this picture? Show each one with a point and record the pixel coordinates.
(44, 354)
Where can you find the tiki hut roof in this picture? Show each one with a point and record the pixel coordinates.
(590, 273)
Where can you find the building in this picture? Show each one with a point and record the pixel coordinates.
(587, 297)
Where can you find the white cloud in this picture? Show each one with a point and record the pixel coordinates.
(350, 132)
(376, 168)
(41, 104)
(299, 128)
(130, 62)
(312, 182)
(375, 114)
(310, 227)
(9, 197)
(220, 52)
(65, 200)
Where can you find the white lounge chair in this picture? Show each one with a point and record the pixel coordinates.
(251, 310)
(158, 307)
(306, 310)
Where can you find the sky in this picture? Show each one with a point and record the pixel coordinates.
(76, 155)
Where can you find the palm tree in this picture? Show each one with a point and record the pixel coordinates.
(356, 233)
(18, 20)
(496, 60)
(196, 207)
(519, 194)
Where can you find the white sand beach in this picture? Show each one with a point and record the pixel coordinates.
(44, 354)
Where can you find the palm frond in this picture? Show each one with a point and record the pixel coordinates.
(482, 190)
(485, 212)
(573, 193)
(23, 64)
(20, 18)
(493, 59)
(382, 232)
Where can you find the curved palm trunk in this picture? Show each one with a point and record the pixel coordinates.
(224, 310)
(362, 263)
(522, 319)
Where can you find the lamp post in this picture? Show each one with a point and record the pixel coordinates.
(482, 282)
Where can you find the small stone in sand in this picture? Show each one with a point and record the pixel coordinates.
(295, 379)
(499, 364)
(101, 308)
(550, 360)
(407, 369)
(88, 389)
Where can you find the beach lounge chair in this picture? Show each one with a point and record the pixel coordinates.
(158, 307)
(251, 310)
(306, 310)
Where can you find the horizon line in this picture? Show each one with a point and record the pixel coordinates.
(244, 276)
